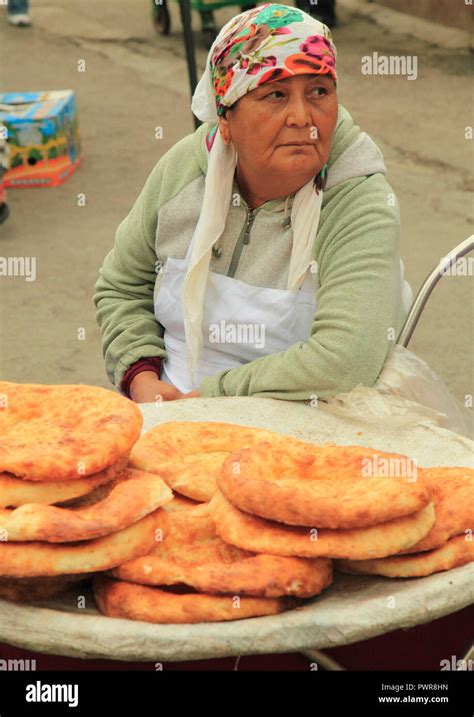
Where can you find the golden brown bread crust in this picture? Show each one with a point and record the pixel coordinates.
(251, 532)
(193, 554)
(117, 598)
(36, 559)
(321, 486)
(188, 454)
(180, 502)
(453, 496)
(137, 495)
(457, 551)
(16, 491)
(64, 432)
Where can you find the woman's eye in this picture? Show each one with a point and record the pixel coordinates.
(274, 93)
(321, 91)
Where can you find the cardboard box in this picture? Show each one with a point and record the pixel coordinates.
(43, 135)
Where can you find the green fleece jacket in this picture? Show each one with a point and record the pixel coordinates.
(362, 298)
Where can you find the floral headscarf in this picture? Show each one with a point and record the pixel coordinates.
(267, 43)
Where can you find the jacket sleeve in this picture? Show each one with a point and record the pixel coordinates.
(359, 304)
(124, 290)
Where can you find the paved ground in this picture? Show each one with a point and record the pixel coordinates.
(136, 80)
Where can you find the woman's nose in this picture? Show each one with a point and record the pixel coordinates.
(299, 111)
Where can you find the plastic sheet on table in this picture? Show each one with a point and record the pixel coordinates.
(407, 392)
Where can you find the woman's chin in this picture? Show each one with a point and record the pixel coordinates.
(299, 164)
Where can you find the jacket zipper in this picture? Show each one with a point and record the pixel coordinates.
(244, 238)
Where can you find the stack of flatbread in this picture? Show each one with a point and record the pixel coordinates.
(450, 542)
(258, 517)
(307, 500)
(205, 521)
(373, 512)
(194, 575)
(69, 504)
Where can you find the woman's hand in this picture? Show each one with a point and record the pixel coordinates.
(192, 394)
(146, 386)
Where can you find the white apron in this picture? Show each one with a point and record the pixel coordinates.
(264, 321)
(269, 321)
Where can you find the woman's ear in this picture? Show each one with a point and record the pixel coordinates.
(224, 128)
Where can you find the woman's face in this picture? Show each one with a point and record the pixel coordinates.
(263, 123)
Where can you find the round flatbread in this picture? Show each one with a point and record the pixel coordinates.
(188, 455)
(453, 496)
(193, 554)
(16, 491)
(33, 589)
(327, 486)
(250, 532)
(457, 551)
(64, 432)
(117, 598)
(37, 558)
(137, 495)
(179, 502)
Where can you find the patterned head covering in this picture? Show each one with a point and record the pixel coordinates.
(267, 43)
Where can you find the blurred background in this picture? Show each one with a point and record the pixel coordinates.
(126, 64)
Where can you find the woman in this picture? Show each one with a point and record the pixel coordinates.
(235, 273)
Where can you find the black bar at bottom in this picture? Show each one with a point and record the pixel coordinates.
(315, 692)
